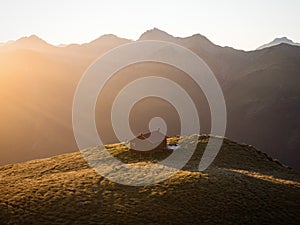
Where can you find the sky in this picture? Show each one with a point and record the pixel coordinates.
(236, 23)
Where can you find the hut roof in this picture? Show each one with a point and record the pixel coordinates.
(153, 137)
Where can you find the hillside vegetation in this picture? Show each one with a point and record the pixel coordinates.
(242, 186)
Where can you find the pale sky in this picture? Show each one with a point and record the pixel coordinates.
(236, 23)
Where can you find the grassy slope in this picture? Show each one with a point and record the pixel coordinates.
(243, 186)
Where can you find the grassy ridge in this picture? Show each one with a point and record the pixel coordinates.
(242, 186)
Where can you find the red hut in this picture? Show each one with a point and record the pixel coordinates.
(153, 142)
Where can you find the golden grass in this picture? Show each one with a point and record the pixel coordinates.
(268, 178)
(242, 186)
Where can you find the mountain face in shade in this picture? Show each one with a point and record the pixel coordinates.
(242, 186)
(261, 90)
(277, 41)
(38, 82)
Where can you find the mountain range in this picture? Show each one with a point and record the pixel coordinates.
(38, 82)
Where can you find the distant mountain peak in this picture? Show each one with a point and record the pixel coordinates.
(155, 34)
(277, 41)
(157, 31)
(283, 39)
(31, 39)
(198, 37)
(107, 38)
(30, 42)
